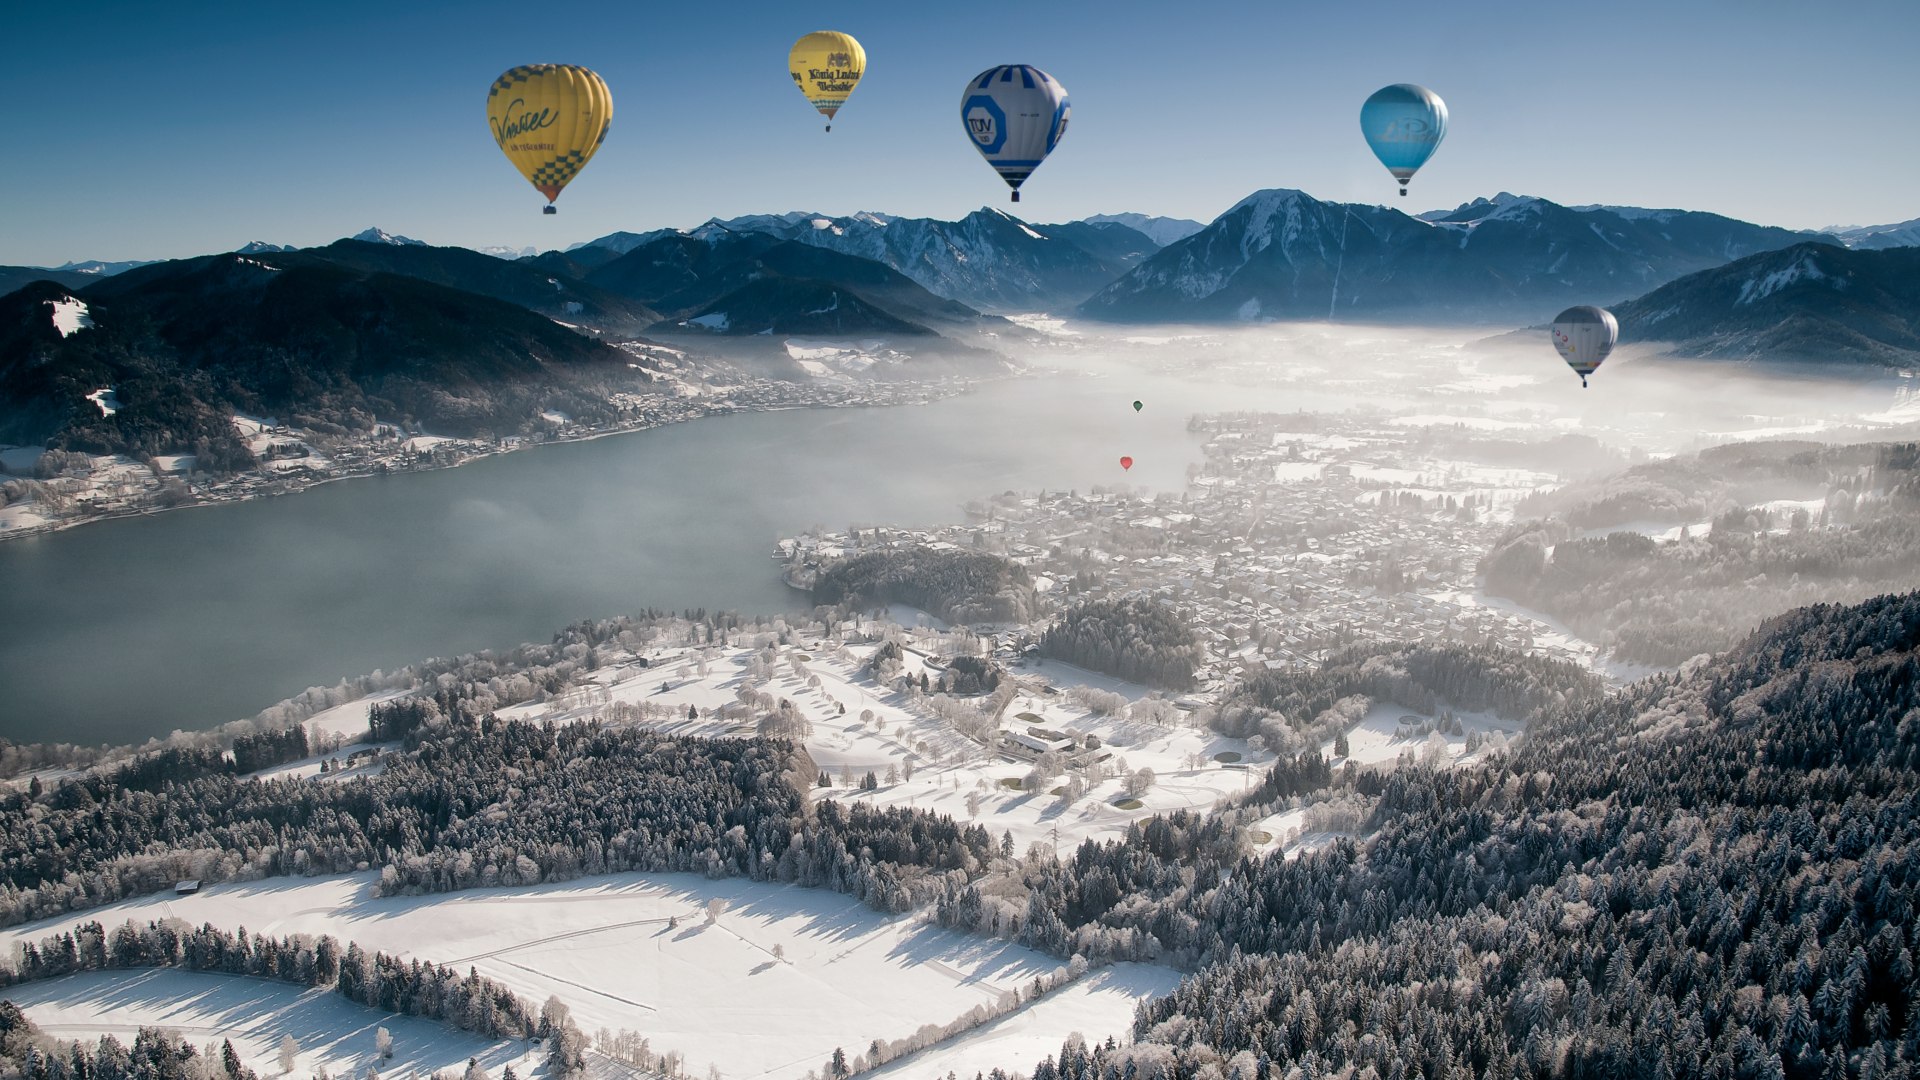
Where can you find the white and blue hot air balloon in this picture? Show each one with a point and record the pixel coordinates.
(1404, 124)
(1015, 114)
(1584, 336)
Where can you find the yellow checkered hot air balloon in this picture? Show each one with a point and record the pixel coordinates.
(826, 65)
(548, 120)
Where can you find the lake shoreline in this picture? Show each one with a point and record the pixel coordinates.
(907, 394)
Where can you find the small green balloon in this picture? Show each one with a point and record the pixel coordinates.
(1137, 406)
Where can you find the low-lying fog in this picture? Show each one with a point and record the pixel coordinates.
(130, 628)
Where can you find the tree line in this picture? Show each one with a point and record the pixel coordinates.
(1138, 639)
(468, 804)
(470, 1002)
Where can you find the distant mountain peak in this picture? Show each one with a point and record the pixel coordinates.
(1161, 230)
(1876, 237)
(101, 269)
(1266, 198)
(377, 235)
(261, 247)
(1504, 206)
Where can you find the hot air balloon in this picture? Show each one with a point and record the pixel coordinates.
(1585, 335)
(1404, 124)
(1015, 114)
(549, 119)
(1137, 406)
(826, 65)
(1126, 463)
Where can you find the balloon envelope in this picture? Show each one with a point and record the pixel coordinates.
(1138, 406)
(1584, 336)
(1126, 463)
(1404, 124)
(549, 119)
(826, 65)
(1015, 115)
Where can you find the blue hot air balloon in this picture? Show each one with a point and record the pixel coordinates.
(1404, 124)
(1015, 115)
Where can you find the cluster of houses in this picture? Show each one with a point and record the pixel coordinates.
(1285, 545)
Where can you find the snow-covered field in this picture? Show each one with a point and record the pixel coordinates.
(782, 978)
(1388, 730)
(332, 1032)
(952, 774)
(1100, 1004)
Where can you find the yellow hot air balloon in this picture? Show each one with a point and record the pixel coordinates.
(826, 65)
(548, 120)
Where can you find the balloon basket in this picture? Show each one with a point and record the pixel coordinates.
(1016, 196)
(549, 209)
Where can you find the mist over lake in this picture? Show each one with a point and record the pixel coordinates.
(131, 628)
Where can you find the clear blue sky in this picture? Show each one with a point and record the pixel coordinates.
(147, 130)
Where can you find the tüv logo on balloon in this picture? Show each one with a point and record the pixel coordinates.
(1409, 130)
(981, 126)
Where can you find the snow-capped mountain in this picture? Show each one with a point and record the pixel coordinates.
(989, 259)
(502, 251)
(1813, 301)
(261, 247)
(760, 281)
(1876, 237)
(94, 268)
(1284, 254)
(378, 235)
(1160, 230)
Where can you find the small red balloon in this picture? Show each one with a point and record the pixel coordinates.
(1126, 463)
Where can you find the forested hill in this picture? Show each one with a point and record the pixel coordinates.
(186, 344)
(1814, 302)
(1712, 874)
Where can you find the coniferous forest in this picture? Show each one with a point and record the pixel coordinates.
(959, 586)
(1708, 873)
(1136, 639)
(1711, 874)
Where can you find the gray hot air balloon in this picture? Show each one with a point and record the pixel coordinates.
(1585, 335)
(1015, 115)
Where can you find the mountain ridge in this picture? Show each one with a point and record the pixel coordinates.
(1280, 253)
(1815, 301)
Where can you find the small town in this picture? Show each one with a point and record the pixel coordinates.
(1295, 536)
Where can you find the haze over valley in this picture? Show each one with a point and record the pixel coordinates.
(1127, 597)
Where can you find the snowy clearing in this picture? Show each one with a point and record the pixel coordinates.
(106, 399)
(634, 951)
(333, 1033)
(70, 316)
(1099, 1005)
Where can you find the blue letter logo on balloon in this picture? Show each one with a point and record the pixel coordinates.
(985, 123)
